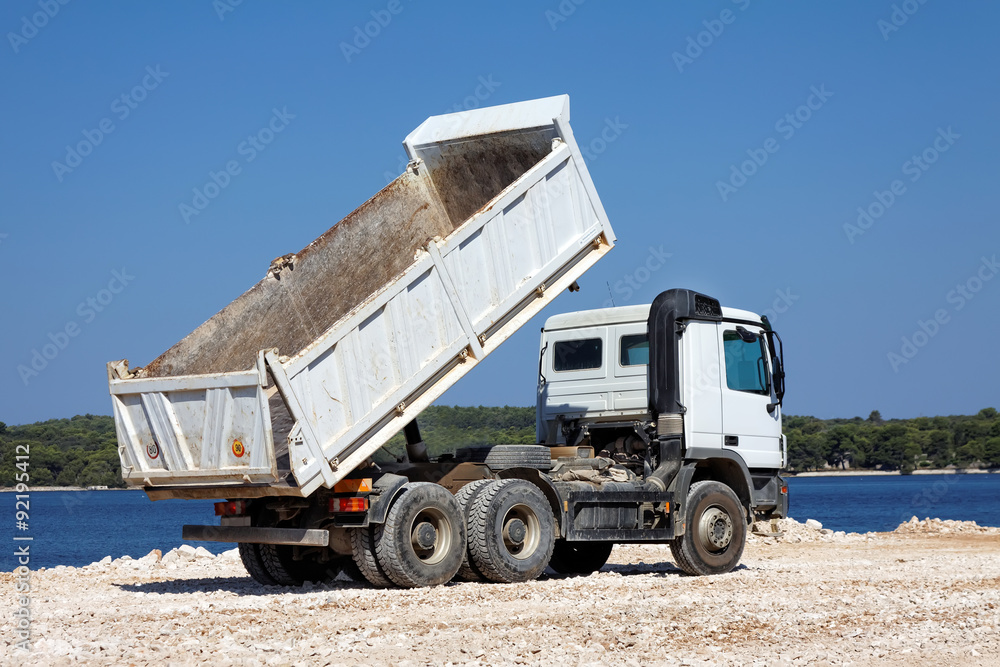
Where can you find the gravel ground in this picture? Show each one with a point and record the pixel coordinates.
(925, 594)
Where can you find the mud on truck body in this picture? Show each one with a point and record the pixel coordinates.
(656, 424)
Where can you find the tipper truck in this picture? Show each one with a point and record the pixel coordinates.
(655, 424)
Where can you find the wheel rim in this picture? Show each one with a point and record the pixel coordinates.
(522, 532)
(430, 535)
(715, 529)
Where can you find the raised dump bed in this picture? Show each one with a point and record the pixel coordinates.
(303, 377)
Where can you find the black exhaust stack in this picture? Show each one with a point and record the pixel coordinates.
(667, 317)
(416, 450)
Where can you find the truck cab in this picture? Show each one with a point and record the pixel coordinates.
(594, 375)
(685, 396)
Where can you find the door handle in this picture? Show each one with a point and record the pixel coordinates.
(732, 441)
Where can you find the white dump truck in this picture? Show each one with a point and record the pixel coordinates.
(657, 423)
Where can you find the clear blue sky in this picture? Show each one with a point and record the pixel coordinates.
(683, 121)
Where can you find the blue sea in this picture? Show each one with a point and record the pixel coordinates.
(78, 528)
(860, 504)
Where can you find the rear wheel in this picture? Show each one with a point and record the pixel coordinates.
(280, 563)
(511, 531)
(363, 552)
(580, 557)
(252, 561)
(468, 571)
(716, 530)
(423, 538)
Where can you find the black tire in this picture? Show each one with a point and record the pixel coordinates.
(511, 531)
(716, 530)
(423, 538)
(503, 457)
(346, 565)
(580, 557)
(363, 553)
(280, 563)
(254, 564)
(468, 571)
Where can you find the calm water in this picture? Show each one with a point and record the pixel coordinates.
(861, 504)
(78, 528)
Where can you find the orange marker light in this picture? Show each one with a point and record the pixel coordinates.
(353, 485)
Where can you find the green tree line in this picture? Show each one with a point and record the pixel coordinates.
(83, 451)
(894, 444)
(445, 429)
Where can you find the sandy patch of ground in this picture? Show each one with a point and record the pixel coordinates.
(926, 594)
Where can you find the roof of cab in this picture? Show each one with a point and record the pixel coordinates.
(624, 315)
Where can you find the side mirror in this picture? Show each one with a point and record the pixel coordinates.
(778, 365)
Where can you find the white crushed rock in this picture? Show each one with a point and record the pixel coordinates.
(939, 527)
(926, 594)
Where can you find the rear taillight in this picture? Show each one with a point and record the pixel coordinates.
(348, 504)
(231, 508)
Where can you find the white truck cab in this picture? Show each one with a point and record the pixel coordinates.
(594, 370)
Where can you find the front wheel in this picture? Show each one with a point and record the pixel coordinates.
(716, 530)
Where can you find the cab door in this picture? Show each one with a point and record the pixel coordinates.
(748, 428)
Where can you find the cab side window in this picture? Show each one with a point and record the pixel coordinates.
(634, 350)
(746, 368)
(578, 355)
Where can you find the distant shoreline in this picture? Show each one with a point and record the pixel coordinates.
(886, 473)
(811, 473)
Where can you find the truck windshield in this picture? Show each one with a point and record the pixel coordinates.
(746, 369)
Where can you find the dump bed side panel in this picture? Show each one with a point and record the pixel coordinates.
(457, 303)
(360, 331)
(209, 429)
